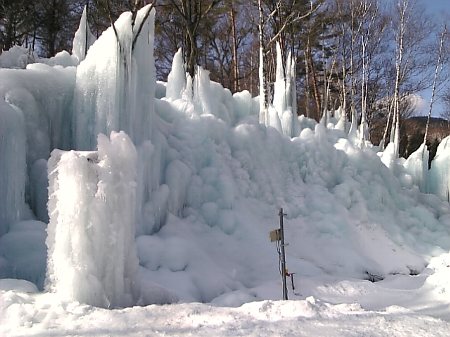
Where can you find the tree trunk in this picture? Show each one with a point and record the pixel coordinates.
(398, 67)
(263, 102)
(436, 75)
(235, 48)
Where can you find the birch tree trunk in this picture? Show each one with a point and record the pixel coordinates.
(435, 80)
(403, 7)
(263, 103)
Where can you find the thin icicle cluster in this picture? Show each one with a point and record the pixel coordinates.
(283, 112)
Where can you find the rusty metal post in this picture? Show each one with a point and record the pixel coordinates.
(283, 256)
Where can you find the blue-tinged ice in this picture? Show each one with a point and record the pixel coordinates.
(12, 165)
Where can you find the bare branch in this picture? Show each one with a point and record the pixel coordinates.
(290, 21)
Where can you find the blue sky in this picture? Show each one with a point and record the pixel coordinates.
(439, 9)
(436, 6)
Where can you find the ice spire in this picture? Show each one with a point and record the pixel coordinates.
(176, 81)
(83, 38)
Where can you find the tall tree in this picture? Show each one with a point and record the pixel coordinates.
(16, 22)
(192, 13)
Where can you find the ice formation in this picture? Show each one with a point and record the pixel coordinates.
(279, 96)
(17, 57)
(198, 181)
(417, 167)
(91, 234)
(285, 97)
(12, 165)
(117, 75)
(439, 174)
(176, 81)
(83, 38)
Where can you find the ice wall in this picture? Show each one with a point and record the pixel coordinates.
(91, 248)
(12, 165)
(115, 84)
(44, 95)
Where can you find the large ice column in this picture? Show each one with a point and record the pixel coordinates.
(12, 165)
(279, 95)
(176, 81)
(83, 38)
(115, 84)
(289, 118)
(439, 174)
(92, 203)
(203, 95)
(417, 166)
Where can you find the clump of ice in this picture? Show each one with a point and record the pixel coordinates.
(92, 206)
(62, 59)
(17, 57)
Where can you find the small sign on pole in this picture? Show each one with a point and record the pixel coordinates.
(275, 235)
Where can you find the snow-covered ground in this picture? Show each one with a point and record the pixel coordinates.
(198, 182)
(400, 306)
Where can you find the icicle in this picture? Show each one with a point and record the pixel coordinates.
(279, 97)
(83, 38)
(176, 81)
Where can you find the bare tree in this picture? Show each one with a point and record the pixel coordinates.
(437, 71)
(192, 12)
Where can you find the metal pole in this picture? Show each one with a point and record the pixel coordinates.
(283, 256)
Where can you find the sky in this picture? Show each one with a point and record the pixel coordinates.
(436, 6)
(439, 9)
